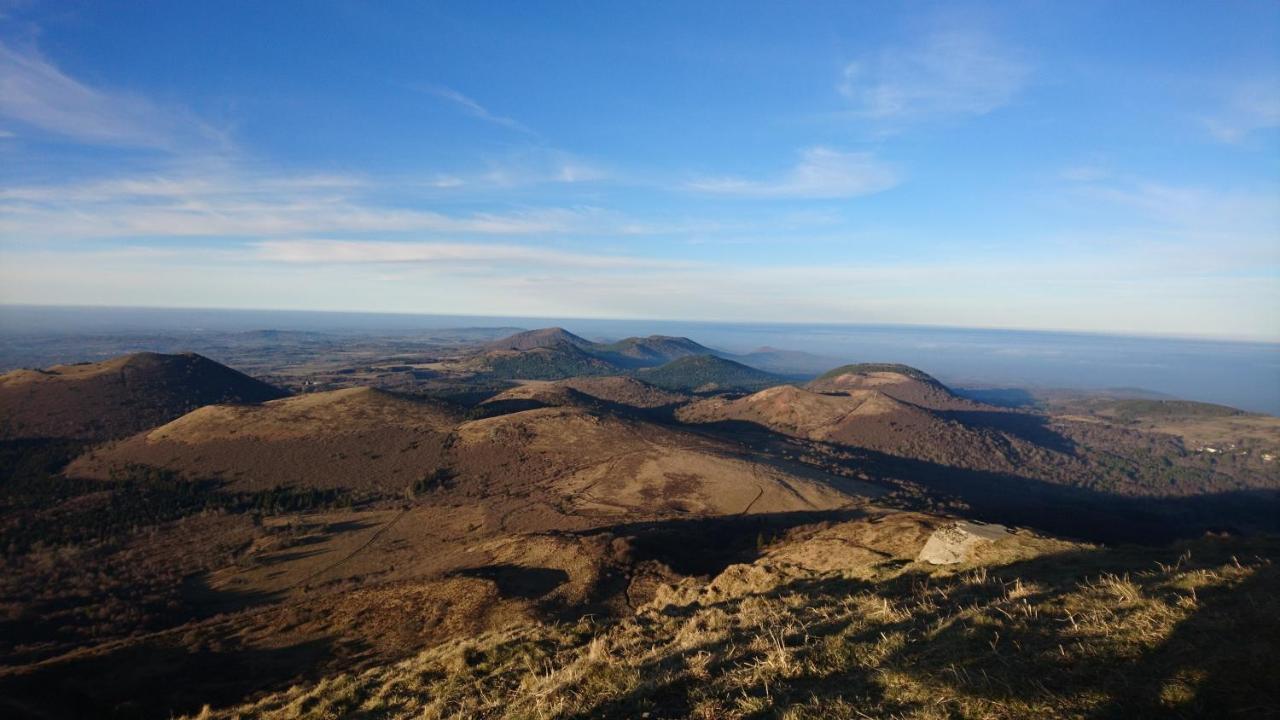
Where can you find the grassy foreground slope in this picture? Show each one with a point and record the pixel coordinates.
(841, 622)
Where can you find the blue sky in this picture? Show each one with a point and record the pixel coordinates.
(1085, 166)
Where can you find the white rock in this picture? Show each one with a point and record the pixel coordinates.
(955, 542)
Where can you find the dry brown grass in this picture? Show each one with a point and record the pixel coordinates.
(1074, 632)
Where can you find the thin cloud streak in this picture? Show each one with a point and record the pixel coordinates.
(475, 109)
(35, 93)
(237, 206)
(947, 73)
(1253, 107)
(259, 219)
(160, 186)
(820, 173)
(354, 252)
(1241, 226)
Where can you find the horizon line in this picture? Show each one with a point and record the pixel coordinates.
(1134, 334)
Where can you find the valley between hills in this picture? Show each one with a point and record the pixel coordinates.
(497, 524)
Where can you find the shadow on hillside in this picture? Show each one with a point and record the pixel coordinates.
(662, 413)
(1025, 426)
(518, 581)
(1215, 662)
(154, 679)
(1011, 499)
(202, 601)
(1082, 512)
(504, 407)
(707, 545)
(1204, 668)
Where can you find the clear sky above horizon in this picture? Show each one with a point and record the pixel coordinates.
(1087, 166)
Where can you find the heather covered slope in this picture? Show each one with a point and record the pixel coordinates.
(118, 397)
(845, 622)
(553, 362)
(650, 351)
(707, 374)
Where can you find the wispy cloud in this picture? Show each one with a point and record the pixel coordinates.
(524, 167)
(359, 252)
(159, 186)
(38, 95)
(245, 205)
(1252, 107)
(946, 73)
(533, 166)
(1205, 226)
(820, 173)
(1201, 206)
(475, 109)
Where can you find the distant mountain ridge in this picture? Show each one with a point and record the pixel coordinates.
(555, 353)
(707, 373)
(652, 350)
(541, 338)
